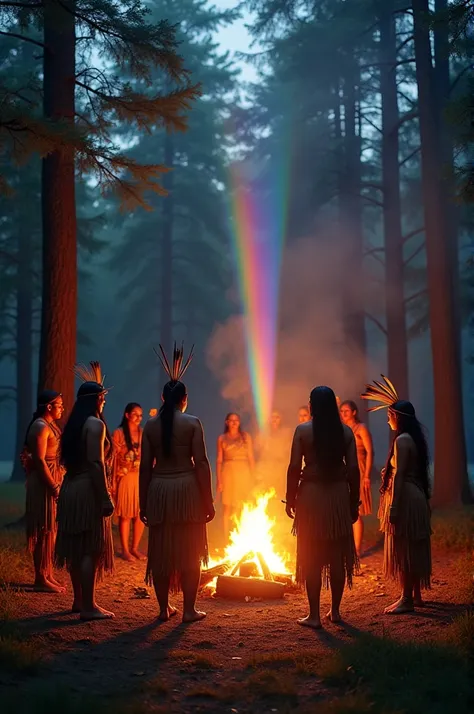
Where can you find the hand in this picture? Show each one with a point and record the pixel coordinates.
(143, 518)
(107, 507)
(290, 510)
(354, 514)
(55, 488)
(211, 514)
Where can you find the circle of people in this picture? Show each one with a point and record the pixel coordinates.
(160, 477)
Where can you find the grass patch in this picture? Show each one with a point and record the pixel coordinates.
(461, 633)
(404, 677)
(199, 661)
(268, 684)
(19, 655)
(454, 529)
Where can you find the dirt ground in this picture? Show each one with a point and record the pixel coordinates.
(211, 665)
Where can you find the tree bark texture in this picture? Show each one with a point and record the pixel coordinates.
(397, 349)
(166, 302)
(450, 446)
(59, 302)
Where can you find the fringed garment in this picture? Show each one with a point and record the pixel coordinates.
(126, 471)
(323, 527)
(323, 509)
(365, 508)
(407, 545)
(177, 539)
(237, 481)
(40, 502)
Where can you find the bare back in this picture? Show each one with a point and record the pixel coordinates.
(185, 447)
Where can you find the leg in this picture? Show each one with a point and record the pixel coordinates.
(190, 583)
(162, 589)
(124, 530)
(42, 569)
(358, 529)
(138, 528)
(77, 589)
(417, 599)
(90, 610)
(313, 590)
(405, 603)
(337, 578)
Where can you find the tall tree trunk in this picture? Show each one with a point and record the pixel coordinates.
(59, 303)
(442, 76)
(351, 205)
(450, 446)
(166, 303)
(397, 349)
(24, 347)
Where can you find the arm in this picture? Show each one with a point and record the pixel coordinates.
(250, 452)
(353, 475)
(294, 473)
(220, 459)
(38, 441)
(401, 451)
(369, 449)
(203, 470)
(95, 438)
(146, 468)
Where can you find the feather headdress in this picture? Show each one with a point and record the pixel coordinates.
(178, 366)
(91, 373)
(382, 392)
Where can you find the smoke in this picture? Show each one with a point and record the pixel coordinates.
(311, 346)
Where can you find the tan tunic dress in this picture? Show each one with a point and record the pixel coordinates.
(40, 502)
(236, 474)
(324, 507)
(407, 546)
(171, 497)
(126, 471)
(82, 530)
(365, 493)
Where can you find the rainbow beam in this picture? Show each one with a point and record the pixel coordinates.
(258, 229)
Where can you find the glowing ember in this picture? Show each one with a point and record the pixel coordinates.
(253, 534)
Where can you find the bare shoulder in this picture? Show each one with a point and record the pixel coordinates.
(404, 441)
(306, 428)
(348, 434)
(95, 425)
(38, 428)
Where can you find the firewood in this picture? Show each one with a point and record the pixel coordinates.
(235, 588)
(208, 575)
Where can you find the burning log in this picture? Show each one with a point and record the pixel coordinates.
(208, 575)
(233, 587)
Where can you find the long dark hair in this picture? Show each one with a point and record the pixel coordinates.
(125, 425)
(45, 398)
(328, 432)
(86, 405)
(407, 423)
(173, 394)
(353, 407)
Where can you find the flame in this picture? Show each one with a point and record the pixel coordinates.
(253, 534)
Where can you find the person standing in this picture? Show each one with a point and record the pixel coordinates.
(175, 495)
(304, 414)
(235, 467)
(127, 441)
(323, 498)
(365, 456)
(404, 512)
(44, 475)
(84, 542)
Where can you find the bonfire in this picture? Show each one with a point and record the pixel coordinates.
(251, 566)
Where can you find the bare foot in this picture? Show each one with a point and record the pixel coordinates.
(136, 554)
(76, 607)
(402, 606)
(98, 613)
(165, 615)
(418, 602)
(128, 557)
(46, 586)
(194, 616)
(334, 616)
(52, 579)
(313, 622)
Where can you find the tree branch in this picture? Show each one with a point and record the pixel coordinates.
(415, 253)
(376, 322)
(416, 295)
(410, 156)
(22, 37)
(412, 234)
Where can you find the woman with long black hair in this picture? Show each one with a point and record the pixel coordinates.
(175, 495)
(404, 510)
(84, 541)
(44, 475)
(127, 448)
(323, 498)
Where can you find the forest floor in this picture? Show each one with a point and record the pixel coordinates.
(246, 656)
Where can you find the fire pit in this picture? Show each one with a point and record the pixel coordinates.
(248, 571)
